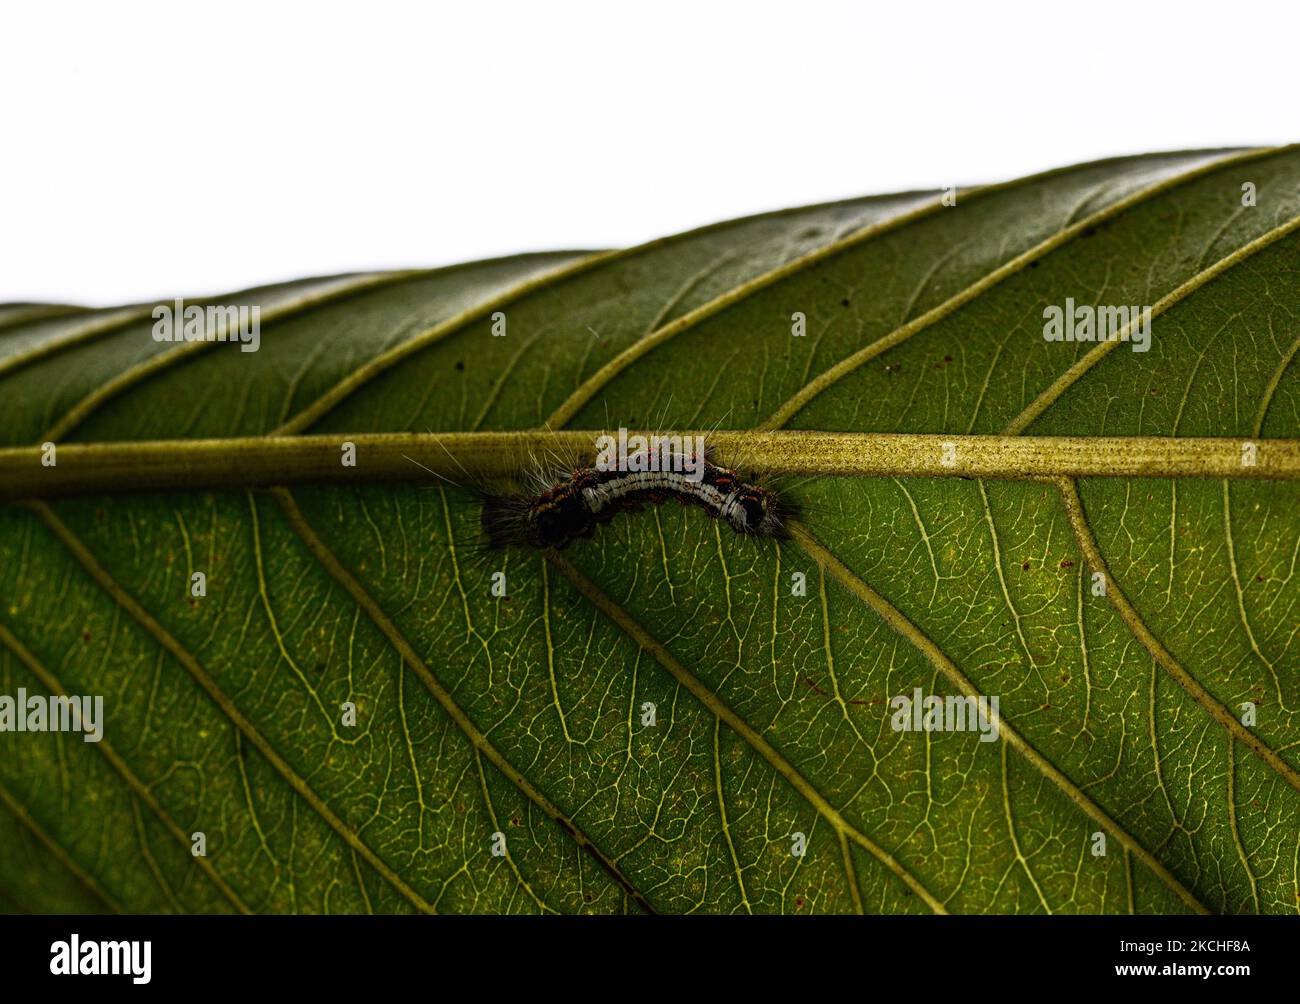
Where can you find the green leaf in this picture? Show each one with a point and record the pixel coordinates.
(985, 486)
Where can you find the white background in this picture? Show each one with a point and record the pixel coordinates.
(160, 149)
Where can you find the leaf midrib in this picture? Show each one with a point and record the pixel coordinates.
(471, 458)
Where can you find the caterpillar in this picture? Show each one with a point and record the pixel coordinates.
(571, 507)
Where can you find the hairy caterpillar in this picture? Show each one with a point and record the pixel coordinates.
(571, 507)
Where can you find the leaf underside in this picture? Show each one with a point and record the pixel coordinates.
(523, 715)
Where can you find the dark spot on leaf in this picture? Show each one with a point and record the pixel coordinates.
(844, 302)
(1067, 563)
(460, 365)
(1025, 566)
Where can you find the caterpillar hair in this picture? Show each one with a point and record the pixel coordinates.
(571, 507)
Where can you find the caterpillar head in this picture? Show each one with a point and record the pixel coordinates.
(761, 512)
(552, 519)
